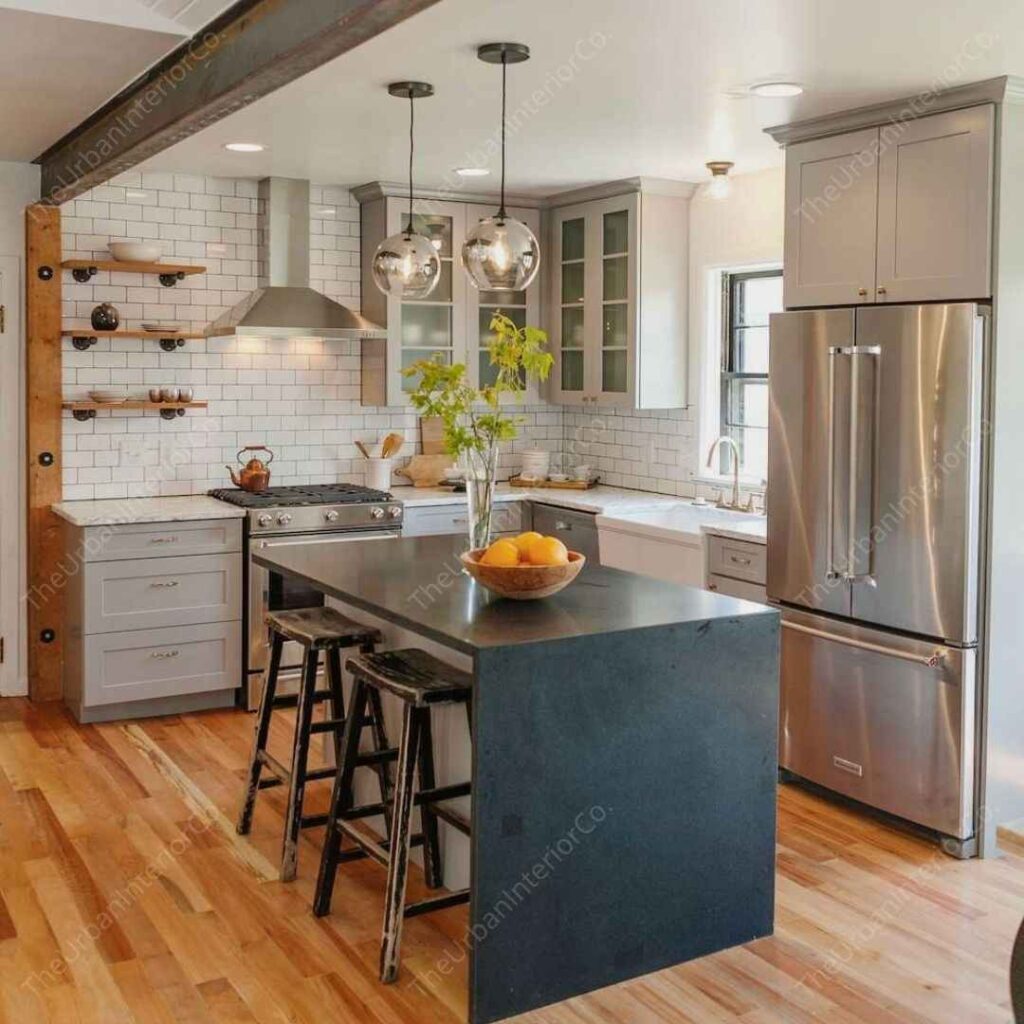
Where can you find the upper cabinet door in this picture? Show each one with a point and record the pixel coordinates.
(831, 212)
(614, 286)
(935, 207)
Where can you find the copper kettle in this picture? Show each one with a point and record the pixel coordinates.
(255, 475)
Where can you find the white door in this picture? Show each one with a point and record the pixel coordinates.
(10, 473)
(831, 210)
(935, 207)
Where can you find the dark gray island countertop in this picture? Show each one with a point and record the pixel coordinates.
(418, 582)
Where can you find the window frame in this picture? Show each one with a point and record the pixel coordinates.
(731, 282)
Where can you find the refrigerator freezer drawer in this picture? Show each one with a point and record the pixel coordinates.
(885, 719)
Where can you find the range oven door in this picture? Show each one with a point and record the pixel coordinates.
(272, 592)
(883, 718)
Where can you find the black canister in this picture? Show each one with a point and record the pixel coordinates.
(105, 317)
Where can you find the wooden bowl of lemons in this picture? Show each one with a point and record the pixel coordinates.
(524, 568)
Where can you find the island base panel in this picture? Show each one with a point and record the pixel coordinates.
(623, 808)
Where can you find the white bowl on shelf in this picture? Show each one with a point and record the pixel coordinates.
(108, 396)
(135, 252)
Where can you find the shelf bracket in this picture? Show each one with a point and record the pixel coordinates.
(83, 342)
(83, 274)
(170, 414)
(83, 414)
(172, 344)
(170, 280)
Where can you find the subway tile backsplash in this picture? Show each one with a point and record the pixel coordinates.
(299, 397)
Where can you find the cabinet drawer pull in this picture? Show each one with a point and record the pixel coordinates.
(164, 540)
(560, 525)
(736, 560)
(163, 584)
(165, 654)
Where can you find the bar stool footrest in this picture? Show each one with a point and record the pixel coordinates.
(449, 899)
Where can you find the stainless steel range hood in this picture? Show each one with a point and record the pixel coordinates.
(284, 306)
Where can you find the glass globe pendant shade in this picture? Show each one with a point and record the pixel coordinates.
(501, 253)
(406, 266)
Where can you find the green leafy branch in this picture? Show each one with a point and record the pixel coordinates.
(473, 418)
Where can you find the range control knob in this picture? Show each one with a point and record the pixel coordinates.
(284, 519)
(395, 511)
(331, 515)
(264, 519)
(376, 512)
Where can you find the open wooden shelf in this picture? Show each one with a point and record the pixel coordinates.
(85, 331)
(127, 267)
(86, 410)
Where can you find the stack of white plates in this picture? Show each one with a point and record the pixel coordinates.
(109, 395)
(536, 464)
(156, 326)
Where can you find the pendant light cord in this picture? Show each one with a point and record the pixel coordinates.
(504, 86)
(412, 148)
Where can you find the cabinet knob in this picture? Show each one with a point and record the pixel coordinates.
(881, 290)
(862, 291)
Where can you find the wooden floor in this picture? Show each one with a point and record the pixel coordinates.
(125, 895)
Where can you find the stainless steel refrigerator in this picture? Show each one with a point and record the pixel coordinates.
(876, 459)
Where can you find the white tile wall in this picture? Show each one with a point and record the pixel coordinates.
(300, 397)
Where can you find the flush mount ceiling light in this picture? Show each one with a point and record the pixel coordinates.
(718, 187)
(777, 89)
(245, 147)
(472, 172)
(406, 265)
(500, 252)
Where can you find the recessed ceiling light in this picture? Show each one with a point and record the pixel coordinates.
(245, 147)
(776, 89)
(472, 172)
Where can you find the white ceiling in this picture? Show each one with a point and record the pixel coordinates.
(60, 60)
(656, 87)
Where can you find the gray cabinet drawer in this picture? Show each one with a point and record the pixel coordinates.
(150, 593)
(121, 667)
(740, 560)
(155, 540)
(433, 520)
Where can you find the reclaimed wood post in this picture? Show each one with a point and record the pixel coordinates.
(45, 596)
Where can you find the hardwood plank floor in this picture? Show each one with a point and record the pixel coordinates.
(125, 896)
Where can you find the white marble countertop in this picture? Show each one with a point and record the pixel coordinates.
(599, 499)
(119, 511)
(683, 522)
(753, 529)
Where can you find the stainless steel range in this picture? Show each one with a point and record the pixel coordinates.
(328, 513)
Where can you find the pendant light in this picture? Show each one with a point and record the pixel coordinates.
(500, 252)
(406, 265)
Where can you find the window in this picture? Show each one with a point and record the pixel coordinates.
(748, 298)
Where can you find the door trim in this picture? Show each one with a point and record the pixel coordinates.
(12, 526)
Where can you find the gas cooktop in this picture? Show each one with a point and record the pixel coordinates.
(293, 497)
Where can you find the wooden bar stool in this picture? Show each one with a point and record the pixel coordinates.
(317, 630)
(421, 682)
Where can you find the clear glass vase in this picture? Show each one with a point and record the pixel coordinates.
(480, 468)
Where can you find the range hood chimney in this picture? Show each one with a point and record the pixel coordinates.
(284, 306)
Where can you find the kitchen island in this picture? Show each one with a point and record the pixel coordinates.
(623, 762)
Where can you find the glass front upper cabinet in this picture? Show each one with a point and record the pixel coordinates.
(572, 309)
(615, 302)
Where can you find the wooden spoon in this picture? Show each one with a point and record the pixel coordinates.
(362, 448)
(392, 445)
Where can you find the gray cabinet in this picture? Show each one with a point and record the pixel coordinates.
(898, 213)
(154, 618)
(935, 208)
(618, 287)
(450, 519)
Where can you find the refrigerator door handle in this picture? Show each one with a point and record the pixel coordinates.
(830, 494)
(855, 352)
(931, 661)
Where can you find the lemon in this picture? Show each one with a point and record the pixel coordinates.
(525, 541)
(548, 551)
(501, 552)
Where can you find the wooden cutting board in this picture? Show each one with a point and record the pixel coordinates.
(432, 435)
(426, 470)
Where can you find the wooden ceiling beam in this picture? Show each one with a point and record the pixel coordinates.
(253, 48)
